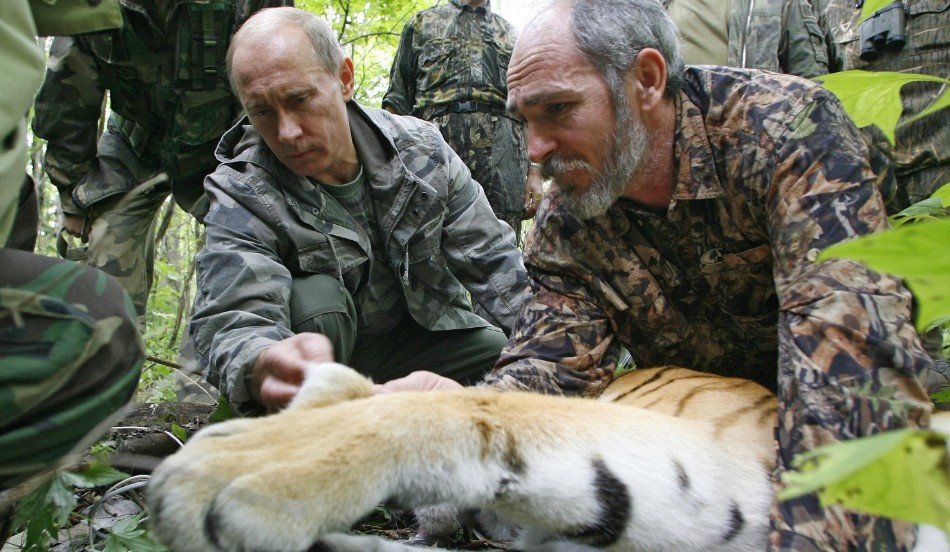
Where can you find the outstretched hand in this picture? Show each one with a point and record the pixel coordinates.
(280, 369)
(420, 380)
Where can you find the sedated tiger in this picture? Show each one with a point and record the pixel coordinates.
(667, 459)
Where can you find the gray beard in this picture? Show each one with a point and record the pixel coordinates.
(626, 157)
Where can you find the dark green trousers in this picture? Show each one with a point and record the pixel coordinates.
(320, 304)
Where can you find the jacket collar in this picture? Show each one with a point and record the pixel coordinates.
(694, 167)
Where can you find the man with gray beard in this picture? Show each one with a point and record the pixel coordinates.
(689, 207)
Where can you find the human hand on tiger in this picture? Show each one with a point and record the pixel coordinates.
(279, 370)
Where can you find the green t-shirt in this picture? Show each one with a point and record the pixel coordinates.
(379, 305)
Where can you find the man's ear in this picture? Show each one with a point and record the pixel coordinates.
(347, 80)
(649, 79)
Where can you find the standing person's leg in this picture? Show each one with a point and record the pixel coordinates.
(122, 242)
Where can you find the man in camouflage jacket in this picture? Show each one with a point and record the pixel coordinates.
(170, 103)
(292, 259)
(70, 353)
(450, 69)
(823, 36)
(738, 33)
(690, 206)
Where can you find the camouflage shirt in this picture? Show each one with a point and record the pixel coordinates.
(451, 53)
(168, 92)
(769, 171)
(267, 226)
(823, 37)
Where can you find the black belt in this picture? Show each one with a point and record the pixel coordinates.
(466, 107)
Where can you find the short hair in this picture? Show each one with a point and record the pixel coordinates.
(327, 50)
(610, 33)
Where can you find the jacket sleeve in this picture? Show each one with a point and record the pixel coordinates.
(67, 111)
(242, 302)
(849, 357)
(804, 49)
(401, 95)
(480, 249)
(563, 342)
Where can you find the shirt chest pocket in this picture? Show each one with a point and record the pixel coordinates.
(436, 63)
(341, 259)
(741, 282)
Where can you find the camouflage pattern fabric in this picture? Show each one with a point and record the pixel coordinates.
(70, 356)
(170, 102)
(769, 171)
(740, 33)
(824, 37)
(265, 228)
(455, 53)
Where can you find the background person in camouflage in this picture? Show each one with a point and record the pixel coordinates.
(170, 103)
(450, 69)
(338, 231)
(737, 33)
(70, 354)
(824, 36)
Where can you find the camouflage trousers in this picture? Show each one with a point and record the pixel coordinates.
(70, 357)
(121, 241)
(493, 148)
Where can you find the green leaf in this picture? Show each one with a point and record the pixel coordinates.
(941, 396)
(898, 474)
(179, 432)
(943, 194)
(871, 6)
(918, 253)
(96, 474)
(223, 411)
(874, 97)
(129, 535)
(36, 514)
(929, 208)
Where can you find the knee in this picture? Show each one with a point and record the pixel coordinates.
(321, 304)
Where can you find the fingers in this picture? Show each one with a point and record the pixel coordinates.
(280, 369)
(418, 381)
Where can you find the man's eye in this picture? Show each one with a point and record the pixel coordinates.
(556, 109)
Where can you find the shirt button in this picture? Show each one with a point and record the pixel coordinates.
(425, 196)
(812, 255)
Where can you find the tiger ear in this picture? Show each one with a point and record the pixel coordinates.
(327, 383)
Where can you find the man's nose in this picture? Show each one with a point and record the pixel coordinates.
(288, 129)
(540, 145)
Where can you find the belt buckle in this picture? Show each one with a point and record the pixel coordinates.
(466, 106)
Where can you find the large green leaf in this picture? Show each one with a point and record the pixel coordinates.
(874, 98)
(871, 6)
(900, 474)
(919, 253)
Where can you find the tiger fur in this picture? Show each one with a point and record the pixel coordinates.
(667, 459)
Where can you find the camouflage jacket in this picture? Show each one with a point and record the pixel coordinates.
(823, 36)
(769, 171)
(169, 96)
(263, 230)
(451, 53)
(749, 29)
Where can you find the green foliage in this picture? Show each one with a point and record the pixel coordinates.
(898, 474)
(874, 98)
(129, 535)
(918, 253)
(871, 6)
(369, 31)
(47, 508)
(933, 207)
(223, 411)
(179, 432)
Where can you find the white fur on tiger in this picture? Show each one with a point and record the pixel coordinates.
(573, 474)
